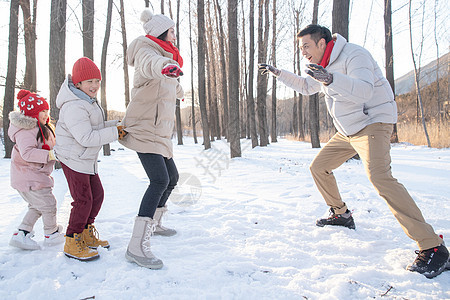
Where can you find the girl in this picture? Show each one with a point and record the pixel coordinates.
(32, 162)
(149, 121)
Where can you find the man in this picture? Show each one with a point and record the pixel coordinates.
(361, 103)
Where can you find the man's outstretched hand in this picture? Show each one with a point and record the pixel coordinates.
(319, 73)
(172, 71)
(265, 69)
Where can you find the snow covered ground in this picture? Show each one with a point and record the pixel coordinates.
(246, 230)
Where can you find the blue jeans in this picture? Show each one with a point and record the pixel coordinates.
(163, 175)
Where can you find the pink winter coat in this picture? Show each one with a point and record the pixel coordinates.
(30, 166)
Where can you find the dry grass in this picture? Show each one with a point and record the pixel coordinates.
(413, 133)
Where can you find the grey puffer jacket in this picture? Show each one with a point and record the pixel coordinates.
(81, 130)
(358, 96)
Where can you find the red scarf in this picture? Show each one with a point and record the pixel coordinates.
(327, 54)
(168, 47)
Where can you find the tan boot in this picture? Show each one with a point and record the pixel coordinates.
(90, 237)
(76, 248)
(161, 230)
(139, 250)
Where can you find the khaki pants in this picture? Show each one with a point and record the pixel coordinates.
(40, 203)
(373, 146)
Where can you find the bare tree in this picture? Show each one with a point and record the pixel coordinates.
(162, 7)
(274, 80)
(263, 33)
(416, 77)
(126, 77)
(194, 132)
(29, 21)
(8, 101)
(389, 58)
(233, 79)
(178, 109)
(106, 148)
(341, 10)
(201, 72)
(251, 68)
(57, 52)
(314, 127)
(439, 105)
(88, 28)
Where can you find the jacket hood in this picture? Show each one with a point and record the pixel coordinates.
(68, 92)
(19, 121)
(137, 44)
(339, 44)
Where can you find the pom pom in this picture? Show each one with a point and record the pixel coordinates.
(146, 16)
(46, 147)
(22, 93)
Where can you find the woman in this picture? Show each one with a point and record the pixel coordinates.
(149, 122)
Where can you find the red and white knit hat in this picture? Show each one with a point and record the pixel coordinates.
(31, 104)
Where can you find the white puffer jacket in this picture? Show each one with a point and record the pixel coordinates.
(358, 96)
(81, 130)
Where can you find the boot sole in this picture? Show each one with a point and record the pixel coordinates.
(82, 258)
(152, 267)
(23, 247)
(95, 248)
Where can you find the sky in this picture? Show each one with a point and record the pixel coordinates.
(366, 29)
(246, 230)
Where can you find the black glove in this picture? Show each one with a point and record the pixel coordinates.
(319, 73)
(265, 69)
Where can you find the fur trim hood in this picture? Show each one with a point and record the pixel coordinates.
(21, 121)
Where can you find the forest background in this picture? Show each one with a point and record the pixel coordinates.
(230, 99)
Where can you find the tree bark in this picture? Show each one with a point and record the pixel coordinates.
(88, 28)
(57, 52)
(106, 148)
(201, 72)
(251, 69)
(341, 9)
(273, 132)
(29, 21)
(126, 76)
(194, 132)
(389, 57)
(8, 101)
(314, 127)
(233, 79)
(178, 108)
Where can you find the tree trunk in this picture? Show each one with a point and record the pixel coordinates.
(178, 108)
(126, 76)
(57, 52)
(251, 68)
(194, 132)
(389, 58)
(106, 148)
(233, 79)
(201, 72)
(416, 77)
(314, 127)
(262, 79)
(162, 7)
(88, 28)
(10, 84)
(29, 21)
(341, 10)
(274, 80)
(301, 125)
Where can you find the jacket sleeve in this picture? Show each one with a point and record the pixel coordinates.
(180, 91)
(303, 85)
(358, 84)
(150, 63)
(79, 125)
(28, 147)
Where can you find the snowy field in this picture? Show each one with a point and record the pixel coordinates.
(246, 230)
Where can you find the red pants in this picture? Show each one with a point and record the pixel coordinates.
(87, 194)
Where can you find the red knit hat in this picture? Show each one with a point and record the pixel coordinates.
(31, 104)
(85, 69)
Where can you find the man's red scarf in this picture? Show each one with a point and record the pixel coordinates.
(169, 47)
(327, 54)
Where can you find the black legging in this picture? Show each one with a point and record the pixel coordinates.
(163, 175)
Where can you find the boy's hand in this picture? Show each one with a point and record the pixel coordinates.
(319, 73)
(121, 131)
(172, 71)
(265, 69)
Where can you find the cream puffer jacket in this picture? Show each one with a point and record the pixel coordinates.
(358, 96)
(81, 130)
(150, 116)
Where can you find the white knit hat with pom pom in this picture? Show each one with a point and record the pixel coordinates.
(155, 25)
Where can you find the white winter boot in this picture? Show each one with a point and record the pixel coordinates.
(139, 250)
(24, 241)
(161, 230)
